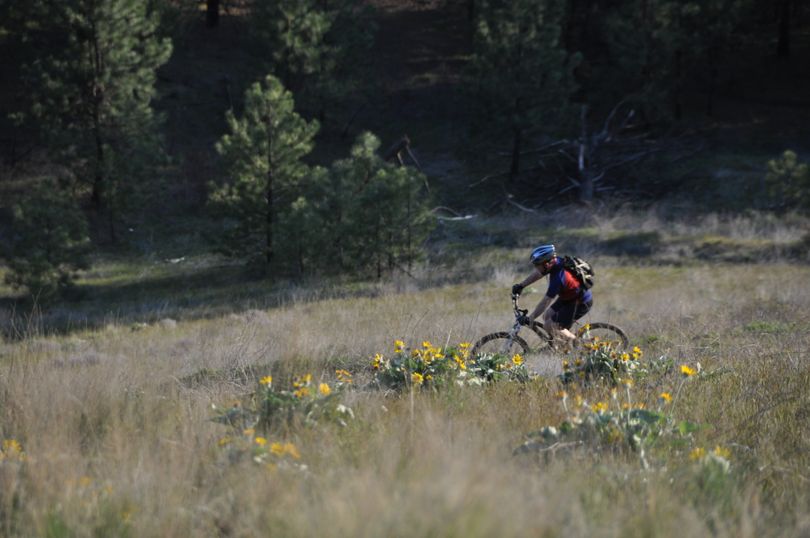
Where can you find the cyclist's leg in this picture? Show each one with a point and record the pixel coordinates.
(558, 320)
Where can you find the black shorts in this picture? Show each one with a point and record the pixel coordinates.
(564, 313)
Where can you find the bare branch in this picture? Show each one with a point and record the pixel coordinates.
(517, 205)
(537, 150)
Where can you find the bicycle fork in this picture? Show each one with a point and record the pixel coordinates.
(507, 345)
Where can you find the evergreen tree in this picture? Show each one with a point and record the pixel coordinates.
(647, 51)
(318, 48)
(49, 241)
(375, 214)
(91, 93)
(520, 71)
(788, 181)
(292, 32)
(262, 151)
(348, 42)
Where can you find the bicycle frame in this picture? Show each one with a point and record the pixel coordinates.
(536, 326)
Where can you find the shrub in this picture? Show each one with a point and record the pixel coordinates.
(788, 181)
(435, 367)
(49, 243)
(271, 409)
(622, 424)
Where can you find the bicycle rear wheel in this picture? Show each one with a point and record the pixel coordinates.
(500, 342)
(600, 332)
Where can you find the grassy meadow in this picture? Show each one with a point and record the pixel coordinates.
(106, 404)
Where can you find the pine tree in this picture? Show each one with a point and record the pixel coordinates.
(520, 71)
(375, 214)
(318, 48)
(292, 32)
(788, 182)
(262, 151)
(49, 242)
(92, 92)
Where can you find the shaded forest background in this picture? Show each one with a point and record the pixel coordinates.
(128, 127)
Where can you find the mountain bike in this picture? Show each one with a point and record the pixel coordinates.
(509, 342)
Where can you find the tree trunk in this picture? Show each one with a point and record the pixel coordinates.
(677, 108)
(583, 162)
(268, 248)
(514, 170)
(783, 43)
(98, 179)
(212, 13)
(713, 49)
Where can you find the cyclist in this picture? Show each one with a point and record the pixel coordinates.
(569, 300)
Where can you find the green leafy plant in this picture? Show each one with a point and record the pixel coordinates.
(435, 367)
(271, 409)
(619, 423)
(600, 362)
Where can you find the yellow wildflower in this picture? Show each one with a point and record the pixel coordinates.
(324, 389)
(625, 357)
(697, 453)
(277, 449)
(427, 345)
(600, 407)
(344, 375)
(399, 346)
(417, 379)
(687, 371)
(290, 449)
(377, 362)
(261, 441)
(301, 393)
(637, 351)
(460, 362)
(517, 359)
(464, 345)
(266, 380)
(11, 447)
(302, 381)
(722, 452)
(667, 397)
(627, 382)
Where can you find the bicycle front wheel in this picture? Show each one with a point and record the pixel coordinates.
(604, 333)
(500, 343)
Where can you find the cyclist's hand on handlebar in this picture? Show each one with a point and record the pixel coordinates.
(517, 289)
(523, 319)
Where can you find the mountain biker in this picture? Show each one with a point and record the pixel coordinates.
(568, 298)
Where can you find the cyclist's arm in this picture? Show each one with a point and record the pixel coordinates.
(531, 279)
(541, 307)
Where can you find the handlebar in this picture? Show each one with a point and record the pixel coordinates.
(518, 311)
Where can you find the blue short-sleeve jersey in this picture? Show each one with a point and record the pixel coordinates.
(563, 284)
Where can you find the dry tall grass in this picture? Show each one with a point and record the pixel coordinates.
(118, 442)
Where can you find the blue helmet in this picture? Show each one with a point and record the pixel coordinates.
(541, 254)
